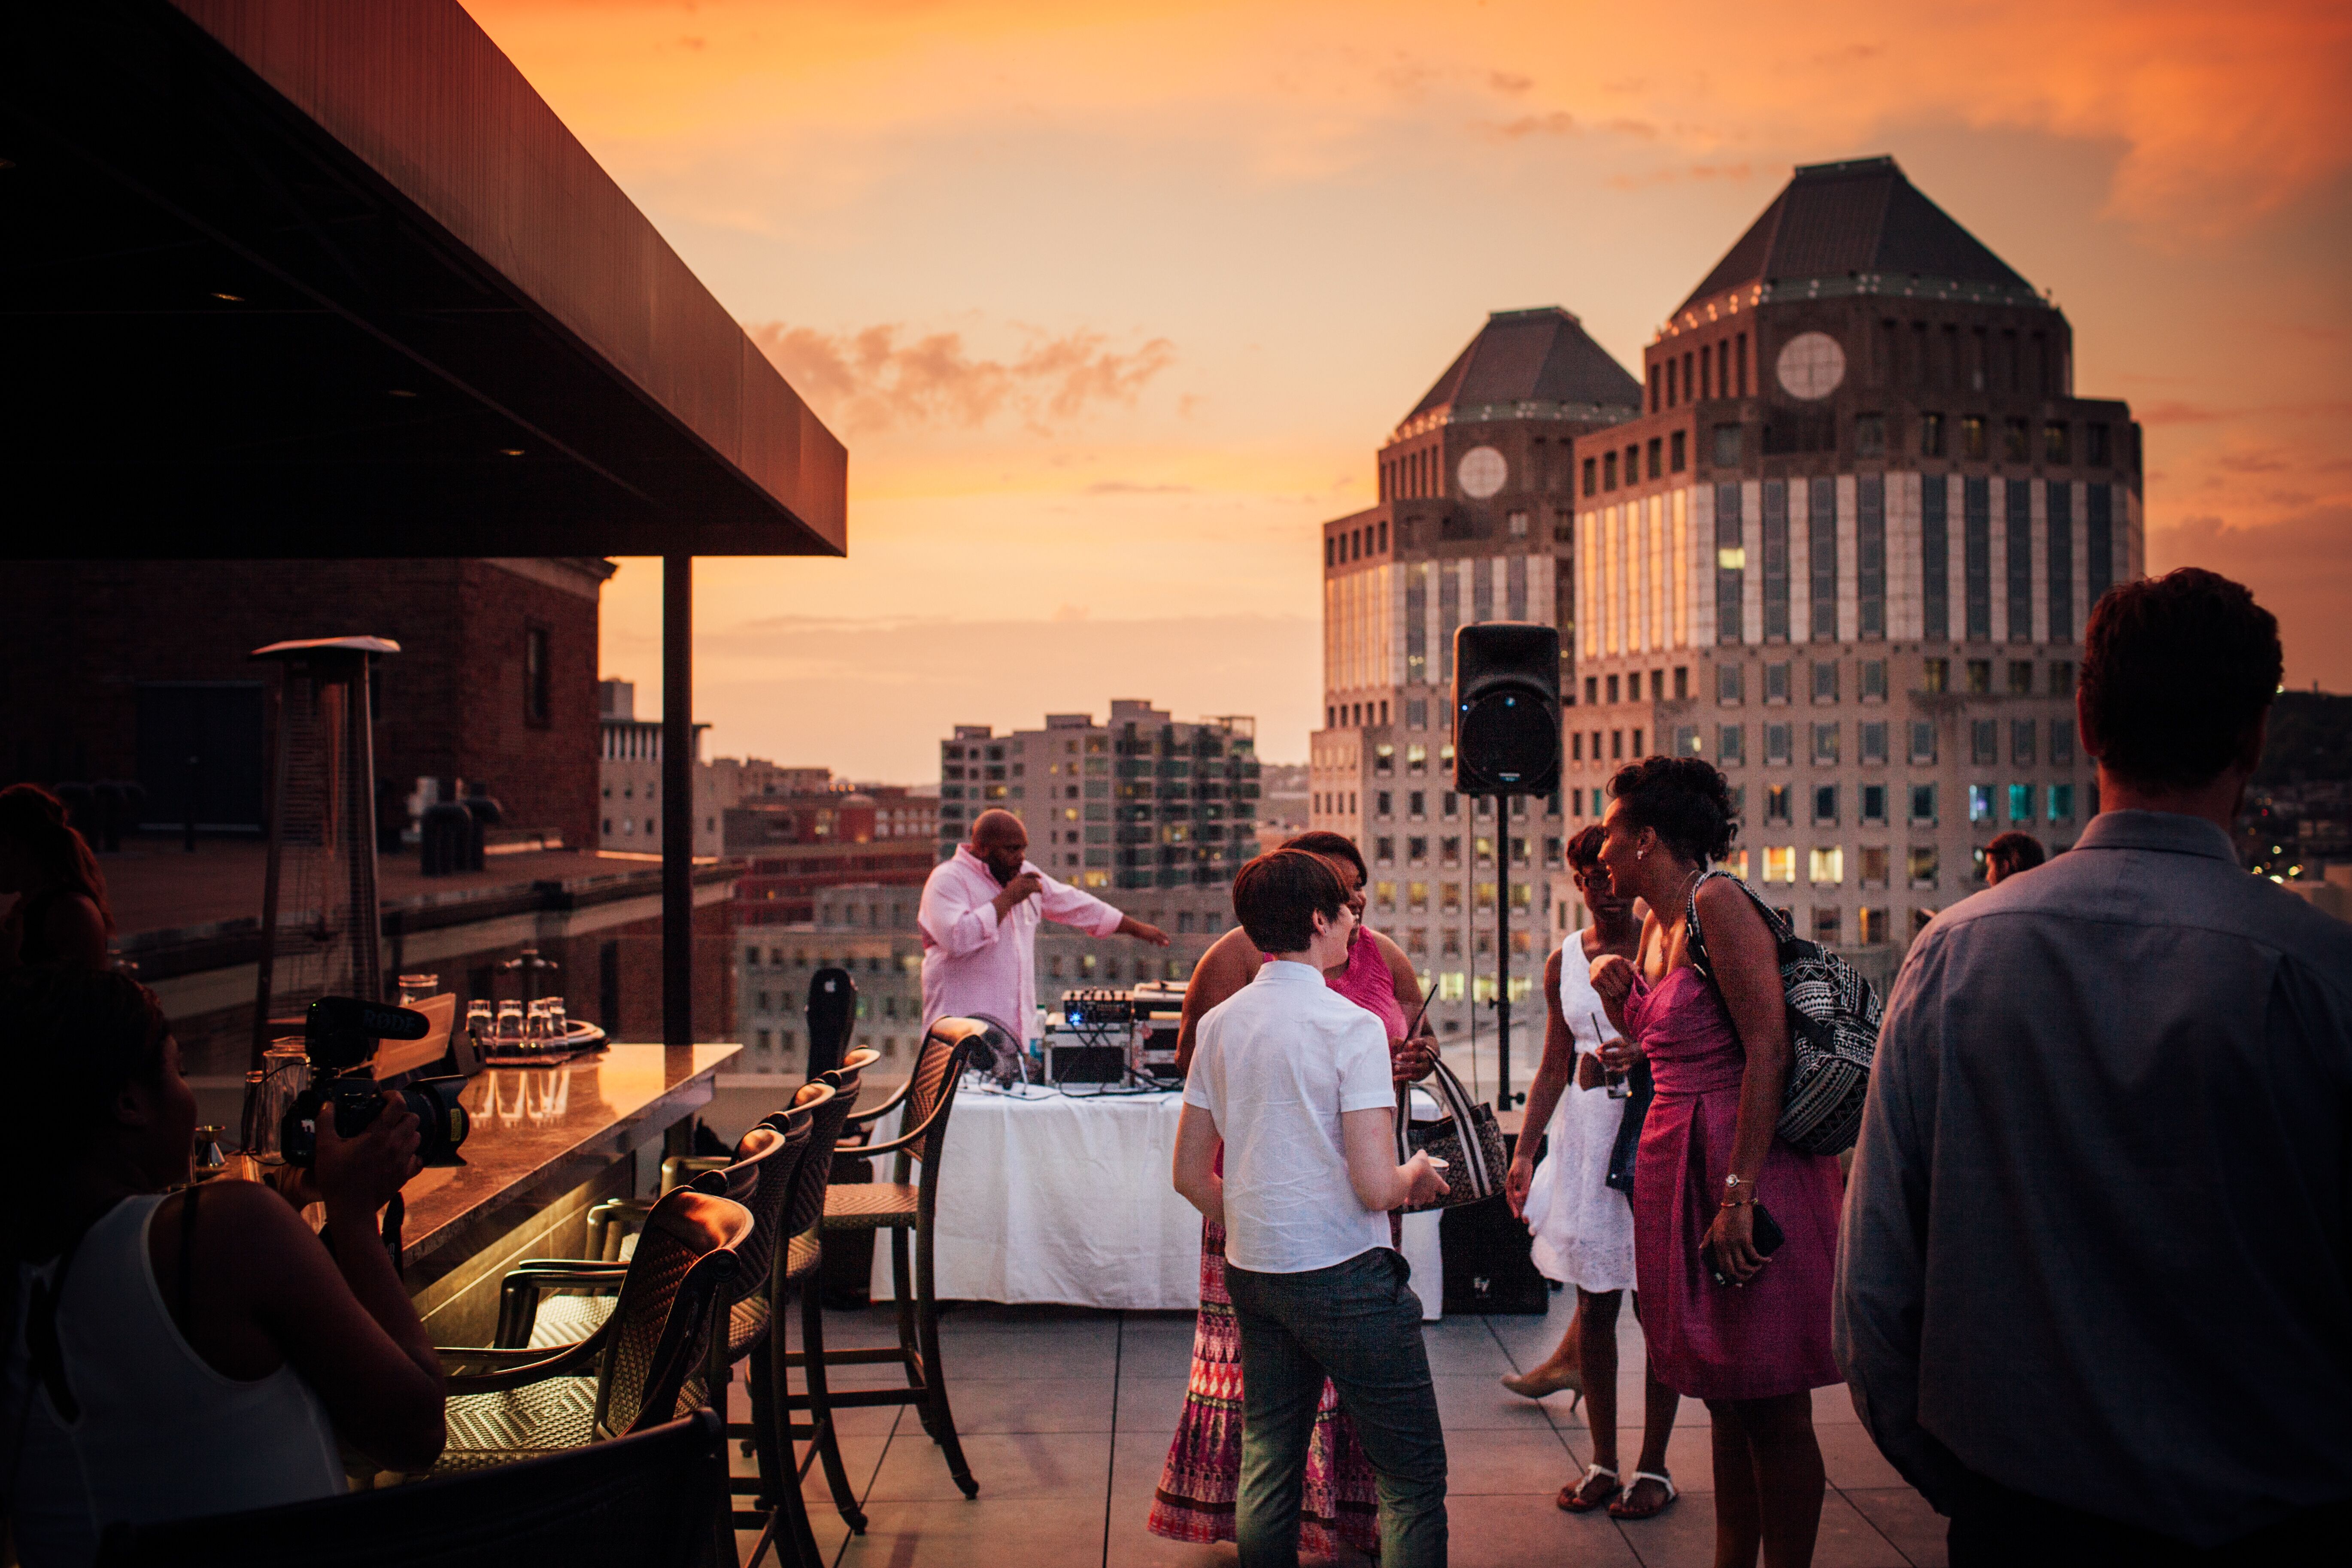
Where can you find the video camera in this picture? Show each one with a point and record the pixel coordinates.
(339, 1036)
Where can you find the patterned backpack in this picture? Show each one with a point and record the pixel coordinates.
(1833, 1031)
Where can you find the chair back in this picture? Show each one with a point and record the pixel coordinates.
(645, 1501)
(684, 1268)
(950, 1046)
(838, 1098)
(772, 1153)
(832, 1017)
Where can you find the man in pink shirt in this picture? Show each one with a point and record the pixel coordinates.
(978, 919)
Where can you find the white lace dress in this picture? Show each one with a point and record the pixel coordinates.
(1583, 1228)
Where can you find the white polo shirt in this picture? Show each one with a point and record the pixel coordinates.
(1277, 1064)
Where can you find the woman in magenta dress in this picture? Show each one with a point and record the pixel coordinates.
(1198, 1486)
(1719, 1050)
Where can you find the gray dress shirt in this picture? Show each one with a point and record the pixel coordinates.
(2096, 1242)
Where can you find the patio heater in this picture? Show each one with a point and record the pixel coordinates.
(320, 922)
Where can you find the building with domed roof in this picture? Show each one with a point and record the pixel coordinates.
(1841, 539)
(1476, 522)
(1847, 551)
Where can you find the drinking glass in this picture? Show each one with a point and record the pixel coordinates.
(559, 1026)
(416, 988)
(534, 1025)
(509, 1027)
(285, 1072)
(1616, 1085)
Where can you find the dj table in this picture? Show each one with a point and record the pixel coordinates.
(1067, 1197)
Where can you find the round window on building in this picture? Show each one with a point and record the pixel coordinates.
(1811, 365)
(1482, 472)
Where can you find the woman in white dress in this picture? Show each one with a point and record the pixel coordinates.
(1583, 1226)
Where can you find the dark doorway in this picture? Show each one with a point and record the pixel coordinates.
(201, 755)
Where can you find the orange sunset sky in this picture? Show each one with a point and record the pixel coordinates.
(1112, 302)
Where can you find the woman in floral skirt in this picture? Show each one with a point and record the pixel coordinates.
(1203, 1476)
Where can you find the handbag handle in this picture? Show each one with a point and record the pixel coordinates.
(1450, 1094)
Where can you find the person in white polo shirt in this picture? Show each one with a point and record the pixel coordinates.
(1294, 1079)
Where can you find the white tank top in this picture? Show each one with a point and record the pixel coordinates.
(161, 1434)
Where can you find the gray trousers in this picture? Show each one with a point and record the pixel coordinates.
(1359, 1323)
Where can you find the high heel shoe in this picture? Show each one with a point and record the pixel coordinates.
(1538, 1384)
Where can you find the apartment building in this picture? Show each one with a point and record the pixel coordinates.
(1140, 801)
(629, 779)
(1847, 551)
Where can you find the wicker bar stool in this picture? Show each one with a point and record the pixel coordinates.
(760, 1176)
(644, 1500)
(900, 1208)
(517, 1403)
(766, 1176)
(772, 1399)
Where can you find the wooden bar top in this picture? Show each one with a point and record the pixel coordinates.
(537, 1133)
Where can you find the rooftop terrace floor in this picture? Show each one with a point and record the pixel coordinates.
(1066, 1415)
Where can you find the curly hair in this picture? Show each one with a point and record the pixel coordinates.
(1681, 799)
(2177, 670)
(1331, 847)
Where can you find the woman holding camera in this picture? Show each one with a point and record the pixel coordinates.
(174, 1354)
(1731, 1317)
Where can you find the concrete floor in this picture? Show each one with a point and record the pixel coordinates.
(1066, 1419)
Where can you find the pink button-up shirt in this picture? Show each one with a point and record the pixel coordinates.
(975, 965)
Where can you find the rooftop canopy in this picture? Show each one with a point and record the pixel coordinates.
(285, 279)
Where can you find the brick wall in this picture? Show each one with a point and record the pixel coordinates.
(77, 638)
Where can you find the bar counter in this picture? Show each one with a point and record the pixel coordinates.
(547, 1143)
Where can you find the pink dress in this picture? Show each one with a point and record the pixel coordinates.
(1771, 1336)
(1202, 1478)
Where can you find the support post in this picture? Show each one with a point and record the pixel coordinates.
(1502, 954)
(678, 801)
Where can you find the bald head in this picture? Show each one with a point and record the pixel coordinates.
(998, 839)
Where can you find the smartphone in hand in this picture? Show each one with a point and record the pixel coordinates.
(1768, 1236)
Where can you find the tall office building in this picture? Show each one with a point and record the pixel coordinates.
(1140, 802)
(1847, 551)
(1476, 522)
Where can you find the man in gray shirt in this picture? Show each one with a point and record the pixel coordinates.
(2094, 1292)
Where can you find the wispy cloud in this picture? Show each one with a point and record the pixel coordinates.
(882, 377)
(1129, 488)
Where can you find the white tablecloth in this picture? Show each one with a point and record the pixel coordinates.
(1048, 1197)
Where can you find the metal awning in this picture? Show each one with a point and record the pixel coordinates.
(284, 278)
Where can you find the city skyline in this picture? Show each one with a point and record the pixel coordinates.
(1108, 315)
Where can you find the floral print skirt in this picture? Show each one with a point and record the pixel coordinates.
(1198, 1487)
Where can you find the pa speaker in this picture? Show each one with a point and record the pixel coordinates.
(1506, 708)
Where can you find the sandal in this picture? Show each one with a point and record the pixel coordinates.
(1571, 1498)
(1618, 1511)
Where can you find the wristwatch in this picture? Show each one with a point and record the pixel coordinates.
(1736, 1191)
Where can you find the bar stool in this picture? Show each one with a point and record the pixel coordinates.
(516, 1403)
(899, 1207)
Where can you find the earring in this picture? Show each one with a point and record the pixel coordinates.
(1641, 854)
